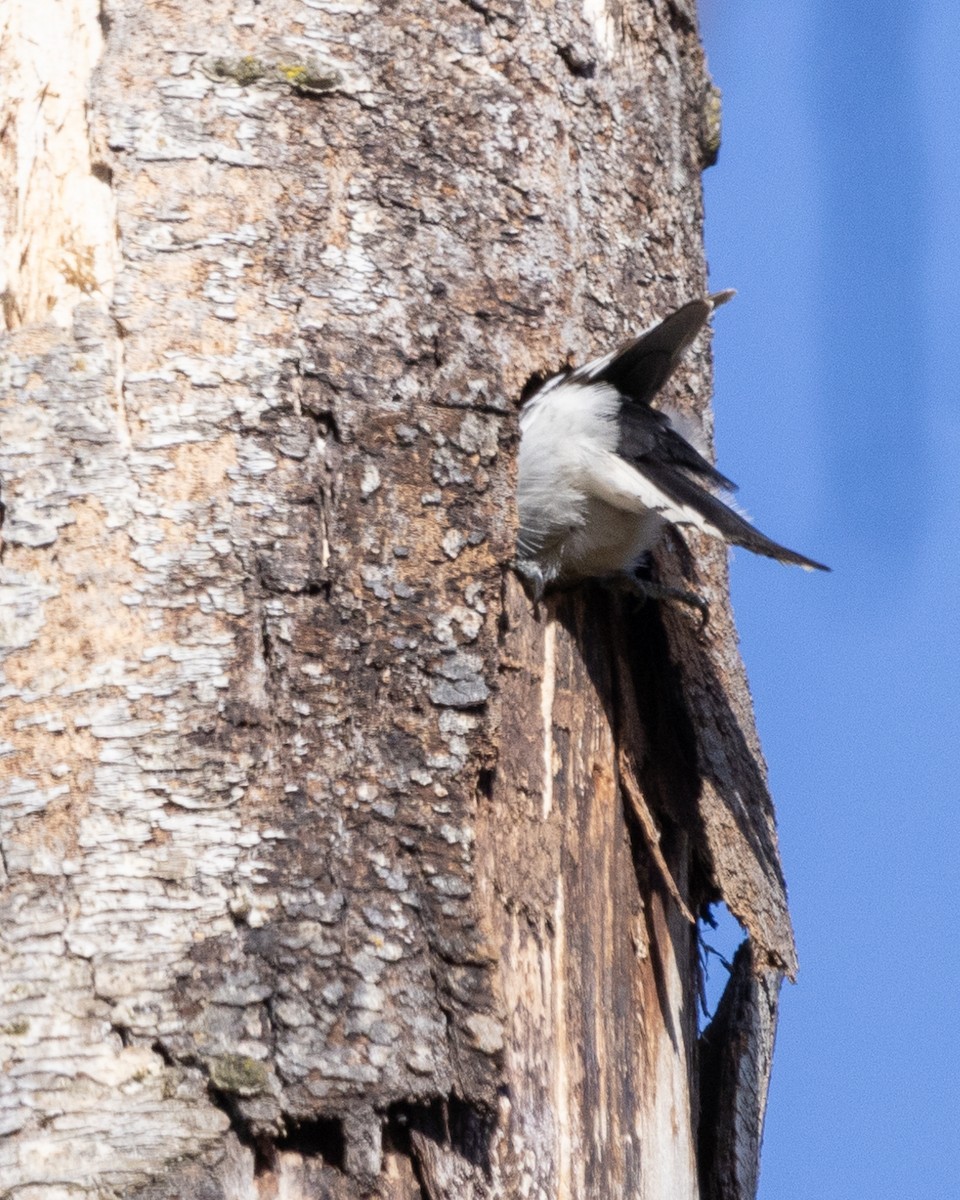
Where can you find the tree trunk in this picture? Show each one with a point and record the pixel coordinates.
(332, 868)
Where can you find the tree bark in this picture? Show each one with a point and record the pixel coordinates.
(330, 867)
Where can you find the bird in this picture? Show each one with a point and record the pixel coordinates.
(602, 473)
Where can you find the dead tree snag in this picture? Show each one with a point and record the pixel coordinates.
(329, 868)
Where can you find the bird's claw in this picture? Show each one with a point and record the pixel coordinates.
(532, 578)
(647, 589)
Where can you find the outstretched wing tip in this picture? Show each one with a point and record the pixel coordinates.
(724, 297)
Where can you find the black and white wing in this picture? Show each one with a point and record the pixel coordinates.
(639, 369)
(681, 478)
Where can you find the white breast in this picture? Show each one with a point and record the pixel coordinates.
(561, 428)
(584, 511)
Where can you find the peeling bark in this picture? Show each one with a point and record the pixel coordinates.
(329, 867)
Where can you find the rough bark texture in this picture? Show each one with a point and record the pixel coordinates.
(330, 868)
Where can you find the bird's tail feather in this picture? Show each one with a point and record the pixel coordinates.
(759, 543)
(727, 522)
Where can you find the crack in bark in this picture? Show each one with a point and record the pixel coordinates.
(492, 410)
(680, 20)
(448, 1121)
(482, 9)
(123, 1032)
(576, 63)
(263, 1151)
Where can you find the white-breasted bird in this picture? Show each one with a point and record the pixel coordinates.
(602, 472)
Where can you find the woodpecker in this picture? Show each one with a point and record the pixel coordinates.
(602, 472)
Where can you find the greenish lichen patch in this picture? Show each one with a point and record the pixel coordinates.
(304, 76)
(310, 78)
(238, 1075)
(245, 71)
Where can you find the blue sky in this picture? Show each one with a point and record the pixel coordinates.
(834, 210)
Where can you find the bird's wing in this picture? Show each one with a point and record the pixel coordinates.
(646, 433)
(618, 483)
(640, 368)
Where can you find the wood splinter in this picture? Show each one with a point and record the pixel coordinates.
(650, 831)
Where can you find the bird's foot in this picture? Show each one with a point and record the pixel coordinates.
(532, 578)
(648, 589)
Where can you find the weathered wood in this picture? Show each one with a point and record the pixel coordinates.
(318, 876)
(599, 964)
(736, 1055)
